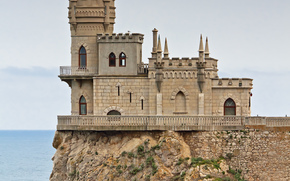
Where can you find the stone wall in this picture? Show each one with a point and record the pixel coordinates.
(261, 155)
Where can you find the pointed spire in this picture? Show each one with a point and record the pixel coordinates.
(159, 49)
(206, 53)
(166, 49)
(201, 44)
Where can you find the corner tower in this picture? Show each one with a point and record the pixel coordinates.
(91, 17)
(87, 18)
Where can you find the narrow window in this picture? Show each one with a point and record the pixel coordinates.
(230, 107)
(122, 60)
(142, 104)
(112, 60)
(83, 106)
(130, 97)
(118, 90)
(82, 58)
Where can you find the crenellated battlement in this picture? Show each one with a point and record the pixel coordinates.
(186, 63)
(121, 38)
(233, 83)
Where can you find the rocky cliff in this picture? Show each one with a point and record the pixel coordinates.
(216, 156)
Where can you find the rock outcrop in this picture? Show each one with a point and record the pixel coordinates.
(122, 156)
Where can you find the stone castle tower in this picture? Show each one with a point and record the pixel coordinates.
(108, 77)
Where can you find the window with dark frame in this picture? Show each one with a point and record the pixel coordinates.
(142, 102)
(230, 107)
(82, 58)
(83, 106)
(122, 60)
(118, 90)
(112, 60)
(130, 97)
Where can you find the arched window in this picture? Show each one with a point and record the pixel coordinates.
(114, 113)
(122, 59)
(180, 102)
(229, 107)
(82, 58)
(83, 106)
(112, 60)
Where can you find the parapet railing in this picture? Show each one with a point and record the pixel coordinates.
(68, 70)
(177, 123)
(268, 121)
(143, 68)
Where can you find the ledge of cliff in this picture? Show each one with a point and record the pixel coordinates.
(169, 155)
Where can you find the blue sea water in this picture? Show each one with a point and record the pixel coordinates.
(26, 155)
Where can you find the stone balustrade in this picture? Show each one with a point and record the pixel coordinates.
(268, 121)
(143, 68)
(176, 123)
(83, 71)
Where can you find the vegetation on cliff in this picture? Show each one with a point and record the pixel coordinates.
(133, 156)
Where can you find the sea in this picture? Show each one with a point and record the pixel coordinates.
(26, 155)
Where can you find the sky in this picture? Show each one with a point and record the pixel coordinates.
(250, 39)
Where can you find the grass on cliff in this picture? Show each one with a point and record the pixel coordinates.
(200, 161)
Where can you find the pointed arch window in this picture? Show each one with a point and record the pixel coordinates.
(112, 60)
(83, 106)
(180, 102)
(122, 59)
(82, 58)
(230, 107)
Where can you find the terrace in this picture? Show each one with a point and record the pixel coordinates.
(162, 123)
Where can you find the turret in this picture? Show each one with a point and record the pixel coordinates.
(159, 66)
(206, 53)
(154, 49)
(165, 53)
(201, 50)
(91, 17)
(159, 50)
(201, 66)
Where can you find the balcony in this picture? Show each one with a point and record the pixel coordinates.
(142, 68)
(175, 123)
(150, 123)
(78, 71)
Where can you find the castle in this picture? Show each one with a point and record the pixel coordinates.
(107, 76)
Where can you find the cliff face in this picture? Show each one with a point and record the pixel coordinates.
(171, 156)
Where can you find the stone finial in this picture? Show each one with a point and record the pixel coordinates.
(206, 53)
(154, 49)
(159, 49)
(201, 45)
(166, 49)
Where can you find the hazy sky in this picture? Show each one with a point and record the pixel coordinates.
(249, 38)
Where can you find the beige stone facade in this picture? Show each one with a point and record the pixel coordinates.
(108, 71)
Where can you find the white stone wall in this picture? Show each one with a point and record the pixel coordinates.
(106, 95)
(91, 48)
(82, 88)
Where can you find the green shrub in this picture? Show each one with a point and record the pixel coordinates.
(131, 155)
(149, 160)
(180, 161)
(96, 153)
(156, 147)
(123, 153)
(208, 176)
(118, 167)
(154, 168)
(147, 178)
(140, 149)
(230, 155)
